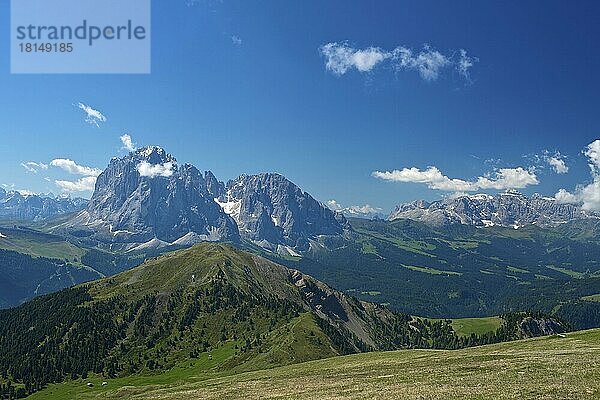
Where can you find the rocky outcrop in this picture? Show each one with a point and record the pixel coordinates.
(534, 327)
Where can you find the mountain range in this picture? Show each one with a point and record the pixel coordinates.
(508, 209)
(33, 207)
(460, 257)
(146, 199)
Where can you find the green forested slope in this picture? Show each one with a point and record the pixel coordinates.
(183, 306)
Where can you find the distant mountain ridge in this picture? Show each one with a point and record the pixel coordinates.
(34, 207)
(508, 209)
(146, 200)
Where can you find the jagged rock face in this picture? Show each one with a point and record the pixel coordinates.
(148, 200)
(14, 205)
(505, 209)
(271, 211)
(146, 196)
(213, 186)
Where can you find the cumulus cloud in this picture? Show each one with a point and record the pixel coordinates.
(588, 195)
(34, 167)
(508, 178)
(127, 142)
(429, 63)
(73, 168)
(85, 184)
(592, 152)
(92, 116)
(503, 178)
(154, 170)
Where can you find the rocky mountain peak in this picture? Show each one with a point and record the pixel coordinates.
(214, 187)
(273, 212)
(145, 198)
(153, 154)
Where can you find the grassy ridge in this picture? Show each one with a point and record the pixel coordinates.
(38, 244)
(477, 326)
(544, 368)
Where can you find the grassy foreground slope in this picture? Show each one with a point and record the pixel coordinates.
(544, 368)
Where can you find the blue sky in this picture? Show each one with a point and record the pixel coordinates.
(243, 87)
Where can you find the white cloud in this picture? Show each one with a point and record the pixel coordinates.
(504, 178)
(85, 184)
(465, 63)
(334, 205)
(508, 178)
(592, 152)
(562, 196)
(341, 58)
(366, 209)
(587, 195)
(127, 142)
(236, 40)
(34, 167)
(429, 63)
(73, 168)
(557, 162)
(25, 192)
(353, 210)
(93, 117)
(432, 177)
(154, 170)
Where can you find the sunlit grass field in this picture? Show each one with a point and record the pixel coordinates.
(544, 368)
